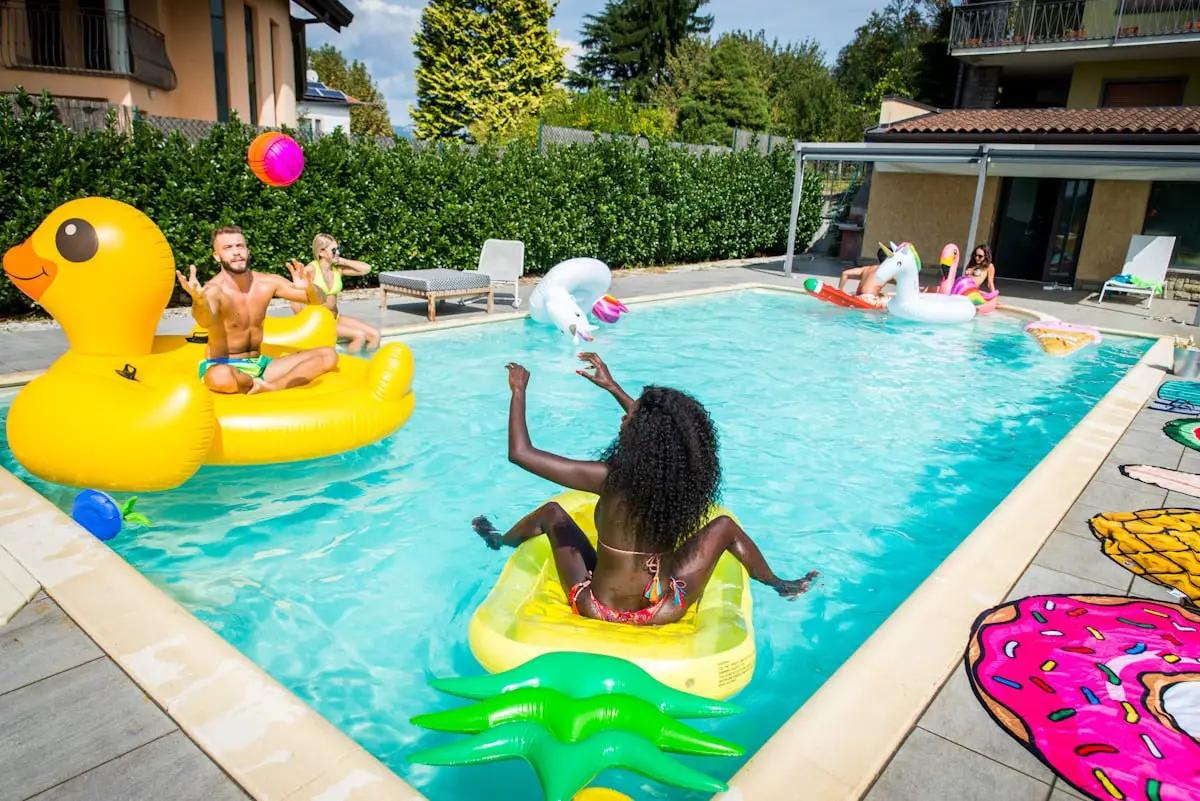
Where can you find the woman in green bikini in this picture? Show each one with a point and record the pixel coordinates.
(326, 271)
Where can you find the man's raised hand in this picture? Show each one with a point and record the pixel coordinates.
(190, 284)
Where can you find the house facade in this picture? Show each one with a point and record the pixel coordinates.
(323, 109)
(194, 59)
(1067, 79)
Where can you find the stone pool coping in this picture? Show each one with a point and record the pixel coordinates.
(277, 747)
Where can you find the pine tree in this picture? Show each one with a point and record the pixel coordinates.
(369, 119)
(627, 46)
(483, 68)
(730, 95)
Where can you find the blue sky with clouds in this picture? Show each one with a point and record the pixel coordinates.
(381, 34)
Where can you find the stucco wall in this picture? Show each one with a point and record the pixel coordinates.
(1117, 212)
(1087, 81)
(188, 30)
(328, 115)
(927, 210)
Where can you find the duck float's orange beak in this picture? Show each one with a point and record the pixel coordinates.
(31, 273)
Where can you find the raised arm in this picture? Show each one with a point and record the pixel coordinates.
(351, 267)
(204, 311)
(301, 289)
(602, 378)
(579, 475)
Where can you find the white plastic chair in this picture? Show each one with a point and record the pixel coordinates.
(503, 260)
(1148, 258)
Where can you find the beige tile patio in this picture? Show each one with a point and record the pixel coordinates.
(930, 768)
(1076, 556)
(1039, 580)
(956, 715)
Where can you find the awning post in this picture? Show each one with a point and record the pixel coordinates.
(797, 189)
(984, 155)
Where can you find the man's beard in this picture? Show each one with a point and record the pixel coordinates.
(238, 269)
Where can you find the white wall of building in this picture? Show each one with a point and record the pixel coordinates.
(323, 118)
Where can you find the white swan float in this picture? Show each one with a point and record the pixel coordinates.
(569, 288)
(910, 303)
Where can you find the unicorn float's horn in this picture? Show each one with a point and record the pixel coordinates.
(608, 309)
(889, 251)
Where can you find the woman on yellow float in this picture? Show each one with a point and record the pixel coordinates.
(326, 271)
(657, 485)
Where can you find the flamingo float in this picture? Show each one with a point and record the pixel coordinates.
(985, 302)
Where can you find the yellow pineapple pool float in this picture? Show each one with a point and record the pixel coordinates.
(1160, 545)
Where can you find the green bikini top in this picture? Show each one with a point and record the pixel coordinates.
(319, 279)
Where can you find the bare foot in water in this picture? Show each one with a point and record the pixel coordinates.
(484, 528)
(790, 588)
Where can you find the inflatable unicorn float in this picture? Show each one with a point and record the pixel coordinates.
(904, 265)
(569, 288)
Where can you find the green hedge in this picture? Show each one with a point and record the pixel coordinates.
(402, 207)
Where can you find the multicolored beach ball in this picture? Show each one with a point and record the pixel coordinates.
(276, 159)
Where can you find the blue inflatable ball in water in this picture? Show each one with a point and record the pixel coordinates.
(98, 513)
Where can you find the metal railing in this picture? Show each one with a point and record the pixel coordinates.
(1020, 23)
(47, 38)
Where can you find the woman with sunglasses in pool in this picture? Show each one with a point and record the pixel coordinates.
(980, 267)
(326, 271)
(657, 482)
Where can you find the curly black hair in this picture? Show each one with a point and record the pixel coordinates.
(664, 464)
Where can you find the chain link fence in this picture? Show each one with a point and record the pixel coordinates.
(85, 114)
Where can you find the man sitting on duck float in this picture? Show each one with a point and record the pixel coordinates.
(657, 487)
(232, 308)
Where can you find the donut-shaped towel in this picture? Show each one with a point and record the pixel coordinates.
(1104, 690)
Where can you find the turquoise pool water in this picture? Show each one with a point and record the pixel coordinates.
(862, 446)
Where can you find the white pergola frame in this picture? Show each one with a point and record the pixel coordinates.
(1128, 162)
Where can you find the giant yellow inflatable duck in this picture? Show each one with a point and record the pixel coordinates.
(124, 410)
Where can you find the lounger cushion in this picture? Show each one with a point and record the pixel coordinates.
(437, 280)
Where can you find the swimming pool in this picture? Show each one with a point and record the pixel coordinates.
(862, 446)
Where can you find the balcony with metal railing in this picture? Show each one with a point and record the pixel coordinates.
(1013, 25)
(48, 38)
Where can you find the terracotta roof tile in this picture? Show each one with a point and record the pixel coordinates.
(1175, 120)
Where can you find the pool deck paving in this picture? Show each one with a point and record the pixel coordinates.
(74, 726)
(956, 751)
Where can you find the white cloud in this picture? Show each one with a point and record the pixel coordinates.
(574, 51)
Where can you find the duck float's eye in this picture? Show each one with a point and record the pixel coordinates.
(76, 240)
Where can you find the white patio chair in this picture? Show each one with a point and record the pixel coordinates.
(1148, 258)
(503, 260)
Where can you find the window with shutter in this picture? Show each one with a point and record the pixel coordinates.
(1125, 94)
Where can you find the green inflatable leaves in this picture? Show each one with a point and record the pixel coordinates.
(572, 716)
(572, 720)
(130, 516)
(1183, 431)
(582, 675)
(565, 768)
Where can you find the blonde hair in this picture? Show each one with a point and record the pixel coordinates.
(320, 242)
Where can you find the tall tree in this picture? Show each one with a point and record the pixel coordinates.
(483, 67)
(729, 96)
(369, 119)
(890, 39)
(628, 44)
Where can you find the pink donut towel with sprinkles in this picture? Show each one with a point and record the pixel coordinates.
(1104, 690)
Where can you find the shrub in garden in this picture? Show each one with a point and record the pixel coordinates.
(404, 207)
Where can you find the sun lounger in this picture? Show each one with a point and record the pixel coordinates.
(435, 285)
(1145, 267)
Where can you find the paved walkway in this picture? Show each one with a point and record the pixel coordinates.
(956, 751)
(74, 727)
(35, 345)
